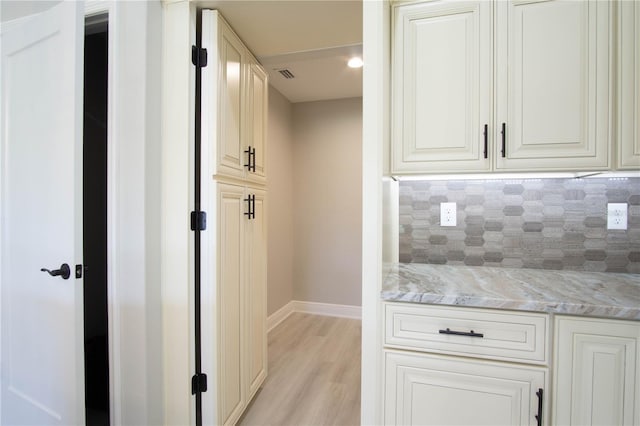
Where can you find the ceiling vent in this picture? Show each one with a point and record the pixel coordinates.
(286, 73)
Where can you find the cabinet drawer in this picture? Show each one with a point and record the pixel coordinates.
(482, 333)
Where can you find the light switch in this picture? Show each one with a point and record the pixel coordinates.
(617, 216)
(447, 214)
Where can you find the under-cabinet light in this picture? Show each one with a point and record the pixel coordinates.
(533, 175)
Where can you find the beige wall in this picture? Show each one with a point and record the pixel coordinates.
(327, 169)
(280, 214)
(314, 161)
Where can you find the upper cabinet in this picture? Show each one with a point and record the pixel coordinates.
(553, 74)
(442, 86)
(505, 85)
(234, 99)
(257, 89)
(629, 85)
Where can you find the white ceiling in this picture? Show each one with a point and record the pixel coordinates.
(311, 38)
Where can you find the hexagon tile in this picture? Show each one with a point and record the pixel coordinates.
(531, 223)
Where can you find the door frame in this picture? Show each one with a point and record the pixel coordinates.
(134, 191)
(95, 8)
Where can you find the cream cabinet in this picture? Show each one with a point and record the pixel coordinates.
(240, 283)
(452, 366)
(505, 85)
(234, 100)
(256, 290)
(597, 372)
(233, 116)
(628, 85)
(256, 132)
(424, 389)
(442, 69)
(553, 85)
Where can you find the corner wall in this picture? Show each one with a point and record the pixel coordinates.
(327, 198)
(280, 214)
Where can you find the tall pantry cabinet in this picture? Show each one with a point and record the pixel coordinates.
(233, 116)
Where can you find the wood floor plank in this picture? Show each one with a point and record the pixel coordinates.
(314, 374)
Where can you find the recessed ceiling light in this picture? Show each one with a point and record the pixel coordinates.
(355, 62)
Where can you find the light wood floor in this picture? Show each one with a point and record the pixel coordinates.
(314, 374)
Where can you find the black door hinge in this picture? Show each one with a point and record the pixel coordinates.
(198, 221)
(198, 383)
(199, 56)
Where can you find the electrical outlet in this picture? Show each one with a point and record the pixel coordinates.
(447, 214)
(617, 216)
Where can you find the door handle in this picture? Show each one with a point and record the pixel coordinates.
(251, 154)
(539, 415)
(64, 271)
(251, 206)
(504, 140)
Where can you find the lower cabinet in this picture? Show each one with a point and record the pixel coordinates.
(597, 372)
(240, 292)
(447, 365)
(424, 389)
(463, 366)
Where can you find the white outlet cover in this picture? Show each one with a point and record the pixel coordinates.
(617, 216)
(448, 214)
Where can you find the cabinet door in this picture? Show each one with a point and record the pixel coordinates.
(439, 390)
(441, 86)
(553, 66)
(256, 122)
(629, 85)
(231, 207)
(230, 152)
(256, 293)
(597, 379)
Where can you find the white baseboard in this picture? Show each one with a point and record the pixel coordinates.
(328, 309)
(278, 316)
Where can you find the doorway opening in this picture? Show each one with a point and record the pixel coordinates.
(96, 342)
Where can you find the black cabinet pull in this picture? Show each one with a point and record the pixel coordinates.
(461, 333)
(251, 159)
(486, 140)
(64, 272)
(504, 140)
(539, 415)
(251, 206)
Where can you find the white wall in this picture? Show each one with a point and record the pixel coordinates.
(375, 118)
(280, 214)
(134, 214)
(327, 196)
(178, 112)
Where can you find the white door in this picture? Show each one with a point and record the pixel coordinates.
(41, 332)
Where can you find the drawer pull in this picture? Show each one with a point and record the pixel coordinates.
(461, 333)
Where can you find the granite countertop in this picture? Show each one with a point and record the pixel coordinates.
(598, 294)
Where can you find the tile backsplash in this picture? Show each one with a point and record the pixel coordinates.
(524, 223)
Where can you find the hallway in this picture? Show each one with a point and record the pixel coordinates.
(313, 376)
